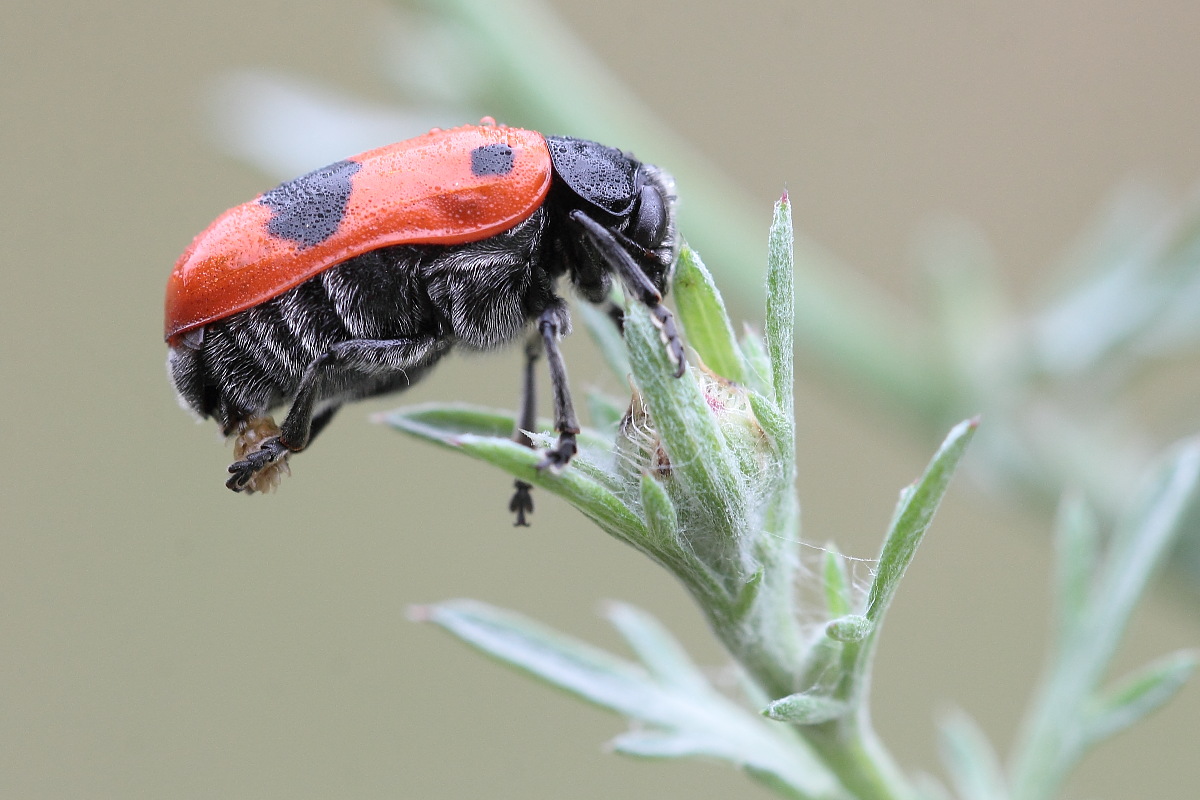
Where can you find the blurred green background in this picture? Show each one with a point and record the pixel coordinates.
(165, 638)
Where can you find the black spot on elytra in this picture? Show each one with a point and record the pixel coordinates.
(492, 159)
(309, 209)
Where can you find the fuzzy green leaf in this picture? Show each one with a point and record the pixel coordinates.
(453, 425)
(1139, 695)
(441, 424)
(781, 305)
(444, 423)
(838, 602)
(687, 718)
(661, 519)
(1066, 718)
(585, 484)
(779, 428)
(661, 744)
(747, 595)
(912, 519)
(657, 649)
(702, 314)
(562, 661)
(758, 363)
(1142, 539)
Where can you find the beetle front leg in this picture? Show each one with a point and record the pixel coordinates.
(615, 248)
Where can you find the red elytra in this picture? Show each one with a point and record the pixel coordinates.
(419, 191)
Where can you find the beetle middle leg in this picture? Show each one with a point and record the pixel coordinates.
(343, 367)
(552, 325)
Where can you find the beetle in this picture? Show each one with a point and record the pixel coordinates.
(355, 279)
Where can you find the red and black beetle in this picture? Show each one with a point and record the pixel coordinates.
(353, 280)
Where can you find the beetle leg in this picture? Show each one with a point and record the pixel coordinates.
(345, 364)
(527, 417)
(522, 500)
(636, 282)
(553, 324)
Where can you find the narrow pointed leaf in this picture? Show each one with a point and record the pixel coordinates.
(657, 650)
(781, 306)
(1142, 540)
(837, 585)
(778, 427)
(1139, 695)
(661, 744)
(970, 759)
(661, 519)
(759, 375)
(441, 424)
(1066, 718)
(714, 727)
(562, 661)
(913, 517)
(705, 322)
(747, 595)
(444, 423)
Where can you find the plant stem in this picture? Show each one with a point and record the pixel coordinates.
(849, 746)
(853, 752)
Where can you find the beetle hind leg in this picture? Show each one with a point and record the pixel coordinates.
(345, 367)
(262, 461)
(552, 325)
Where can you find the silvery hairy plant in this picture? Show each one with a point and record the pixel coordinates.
(698, 474)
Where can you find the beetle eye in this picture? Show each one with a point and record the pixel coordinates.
(649, 225)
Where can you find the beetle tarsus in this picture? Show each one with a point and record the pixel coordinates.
(665, 322)
(243, 472)
(521, 503)
(557, 457)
